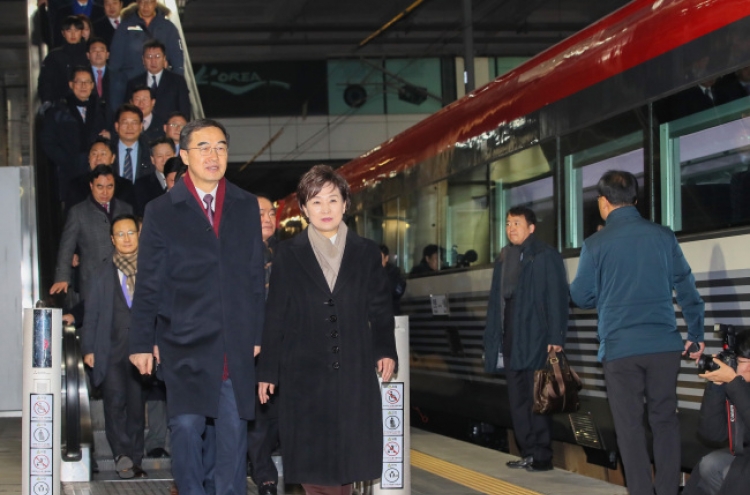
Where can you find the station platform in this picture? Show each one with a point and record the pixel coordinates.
(440, 466)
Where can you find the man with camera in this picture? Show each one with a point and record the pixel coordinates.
(725, 416)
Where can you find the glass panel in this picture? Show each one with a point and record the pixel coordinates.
(523, 179)
(501, 65)
(386, 225)
(421, 73)
(466, 227)
(422, 226)
(706, 169)
(343, 74)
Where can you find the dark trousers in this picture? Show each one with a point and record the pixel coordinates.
(156, 396)
(187, 434)
(124, 421)
(630, 380)
(262, 438)
(533, 431)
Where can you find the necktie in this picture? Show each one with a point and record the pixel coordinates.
(208, 199)
(117, 23)
(709, 93)
(153, 83)
(82, 111)
(127, 169)
(126, 292)
(105, 206)
(99, 82)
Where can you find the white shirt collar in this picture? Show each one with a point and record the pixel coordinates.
(150, 79)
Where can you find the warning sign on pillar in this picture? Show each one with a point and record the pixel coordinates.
(393, 449)
(393, 423)
(41, 434)
(41, 407)
(41, 462)
(393, 474)
(393, 396)
(41, 485)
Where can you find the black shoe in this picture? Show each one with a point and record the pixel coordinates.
(521, 463)
(138, 472)
(157, 453)
(537, 466)
(267, 489)
(124, 467)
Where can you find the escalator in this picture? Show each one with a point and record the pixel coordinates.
(80, 416)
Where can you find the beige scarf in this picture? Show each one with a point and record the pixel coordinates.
(328, 253)
(127, 264)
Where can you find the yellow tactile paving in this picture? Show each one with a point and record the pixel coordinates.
(466, 477)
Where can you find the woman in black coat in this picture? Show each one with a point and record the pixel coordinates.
(329, 327)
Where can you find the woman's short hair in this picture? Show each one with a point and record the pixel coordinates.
(316, 179)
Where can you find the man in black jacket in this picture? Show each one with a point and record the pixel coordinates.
(58, 64)
(527, 316)
(727, 395)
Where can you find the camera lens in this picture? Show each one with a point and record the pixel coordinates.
(706, 363)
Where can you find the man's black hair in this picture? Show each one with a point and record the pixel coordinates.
(429, 250)
(103, 140)
(78, 69)
(197, 125)
(128, 107)
(72, 21)
(384, 249)
(742, 344)
(119, 218)
(173, 164)
(154, 43)
(162, 140)
(142, 87)
(100, 170)
(177, 114)
(523, 211)
(96, 39)
(619, 187)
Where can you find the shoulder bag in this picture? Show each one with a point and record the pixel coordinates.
(556, 386)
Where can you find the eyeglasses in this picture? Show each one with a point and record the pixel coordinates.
(206, 150)
(129, 233)
(176, 126)
(150, 56)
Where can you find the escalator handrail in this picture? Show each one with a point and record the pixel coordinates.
(72, 404)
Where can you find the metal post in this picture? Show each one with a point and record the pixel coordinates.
(396, 477)
(469, 81)
(42, 342)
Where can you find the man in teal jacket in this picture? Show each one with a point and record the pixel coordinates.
(628, 271)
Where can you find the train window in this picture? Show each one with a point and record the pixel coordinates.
(386, 224)
(705, 168)
(423, 231)
(465, 219)
(613, 144)
(523, 179)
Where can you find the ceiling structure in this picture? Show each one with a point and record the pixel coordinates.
(241, 30)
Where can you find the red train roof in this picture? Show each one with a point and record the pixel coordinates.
(630, 36)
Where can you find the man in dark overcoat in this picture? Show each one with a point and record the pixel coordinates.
(527, 316)
(201, 278)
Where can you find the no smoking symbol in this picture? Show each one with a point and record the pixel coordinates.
(392, 396)
(41, 488)
(392, 475)
(41, 408)
(41, 462)
(392, 449)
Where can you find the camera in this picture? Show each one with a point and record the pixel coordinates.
(728, 355)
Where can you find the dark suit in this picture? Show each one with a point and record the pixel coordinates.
(155, 129)
(55, 71)
(66, 138)
(87, 229)
(104, 30)
(105, 335)
(171, 94)
(146, 189)
(104, 98)
(729, 88)
(141, 164)
(321, 348)
(206, 294)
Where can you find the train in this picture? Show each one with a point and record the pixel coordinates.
(651, 88)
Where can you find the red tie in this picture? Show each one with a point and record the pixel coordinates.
(117, 23)
(99, 81)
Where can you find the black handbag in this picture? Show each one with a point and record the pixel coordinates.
(556, 386)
